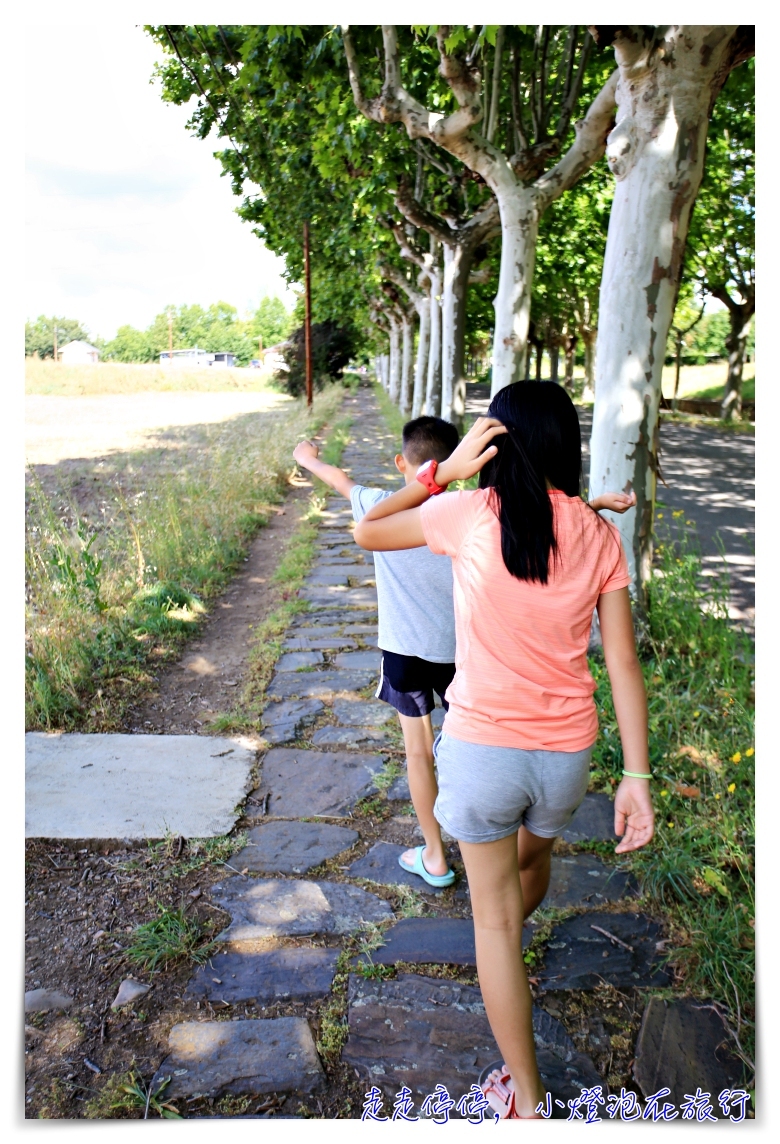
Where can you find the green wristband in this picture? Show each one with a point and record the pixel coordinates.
(637, 774)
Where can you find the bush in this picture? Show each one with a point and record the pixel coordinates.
(332, 347)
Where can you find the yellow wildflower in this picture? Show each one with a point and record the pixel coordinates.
(717, 796)
(749, 753)
(678, 514)
(732, 787)
(660, 516)
(696, 714)
(736, 758)
(664, 794)
(689, 522)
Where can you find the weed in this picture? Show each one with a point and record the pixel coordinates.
(410, 903)
(371, 808)
(699, 679)
(205, 851)
(169, 938)
(387, 776)
(333, 1015)
(132, 1093)
(232, 1105)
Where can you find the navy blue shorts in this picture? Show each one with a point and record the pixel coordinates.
(408, 683)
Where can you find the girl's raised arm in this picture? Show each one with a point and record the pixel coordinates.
(633, 806)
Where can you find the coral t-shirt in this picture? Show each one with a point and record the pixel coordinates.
(522, 676)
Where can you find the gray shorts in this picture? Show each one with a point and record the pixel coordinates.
(486, 793)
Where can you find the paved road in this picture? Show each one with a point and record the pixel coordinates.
(710, 475)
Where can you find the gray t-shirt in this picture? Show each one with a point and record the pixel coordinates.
(414, 588)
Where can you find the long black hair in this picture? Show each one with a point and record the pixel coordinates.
(542, 444)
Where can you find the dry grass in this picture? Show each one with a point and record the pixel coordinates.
(121, 553)
(701, 380)
(57, 380)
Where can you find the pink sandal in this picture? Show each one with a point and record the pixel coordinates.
(502, 1099)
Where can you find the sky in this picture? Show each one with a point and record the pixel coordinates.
(126, 211)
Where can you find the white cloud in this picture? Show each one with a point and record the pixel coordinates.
(126, 210)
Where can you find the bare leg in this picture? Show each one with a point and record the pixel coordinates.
(533, 856)
(497, 904)
(418, 740)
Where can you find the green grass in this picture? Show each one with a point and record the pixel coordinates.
(171, 937)
(699, 869)
(715, 392)
(268, 636)
(123, 556)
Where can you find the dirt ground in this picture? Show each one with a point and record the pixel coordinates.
(65, 428)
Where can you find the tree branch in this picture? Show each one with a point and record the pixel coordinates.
(572, 91)
(495, 96)
(588, 146)
(521, 142)
(371, 108)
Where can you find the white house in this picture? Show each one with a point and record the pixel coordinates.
(79, 353)
(198, 357)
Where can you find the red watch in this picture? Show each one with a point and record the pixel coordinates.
(426, 475)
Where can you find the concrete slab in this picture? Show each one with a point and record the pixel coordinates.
(292, 847)
(303, 784)
(134, 786)
(274, 975)
(353, 597)
(318, 684)
(419, 1032)
(267, 907)
(683, 1045)
(212, 1057)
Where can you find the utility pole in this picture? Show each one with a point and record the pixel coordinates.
(170, 337)
(307, 321)
(55, 341)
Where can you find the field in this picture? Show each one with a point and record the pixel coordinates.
(55, 379)
(124, 550)
(706, 382)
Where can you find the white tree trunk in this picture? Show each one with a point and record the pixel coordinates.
(457, 265)
(589, 350)
(385, 364)
(407, 366)
(433, 380)
(656, 152)
(394, 381)
(421, 361)
(512, 303)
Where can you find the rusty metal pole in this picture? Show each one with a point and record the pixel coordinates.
(307, 322)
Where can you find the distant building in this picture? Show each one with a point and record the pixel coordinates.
(272, 358)
(198, 357)
(79, 353)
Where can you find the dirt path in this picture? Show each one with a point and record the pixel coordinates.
(205, 680)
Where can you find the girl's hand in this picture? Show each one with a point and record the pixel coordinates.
(472, 453)
(305, 451)
(614, 502)
(634, 818)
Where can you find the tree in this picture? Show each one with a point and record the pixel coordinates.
(271, 321)
(510, 162)
(687, 315)
(39, 335)
(669, 78)
(721, 243)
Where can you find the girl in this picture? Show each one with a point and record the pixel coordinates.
(530, 562)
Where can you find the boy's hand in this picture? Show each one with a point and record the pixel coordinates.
(634, 818)
(305, 451)
(472, 453)
(614, 502)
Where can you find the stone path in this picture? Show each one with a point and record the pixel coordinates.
(332, 815)
(319, 915)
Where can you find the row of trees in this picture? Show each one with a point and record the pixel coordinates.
(452, 181)
(216, 328)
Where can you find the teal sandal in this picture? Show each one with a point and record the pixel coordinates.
(418, 867)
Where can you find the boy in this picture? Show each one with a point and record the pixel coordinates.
(416, 626)
(416, 630)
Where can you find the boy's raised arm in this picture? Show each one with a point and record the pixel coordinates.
(307, 456)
